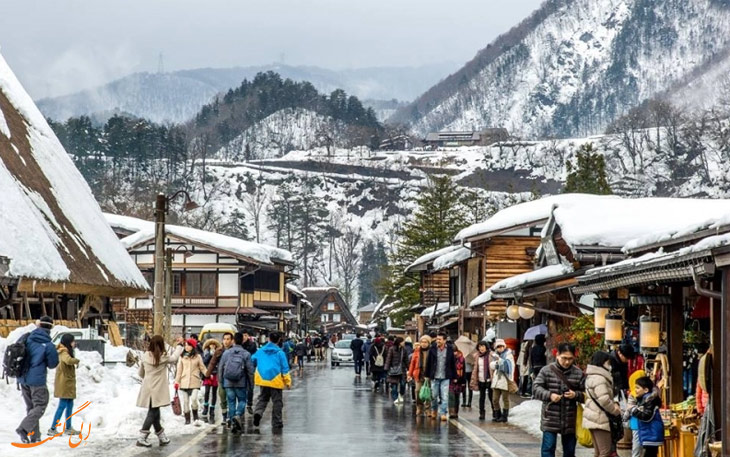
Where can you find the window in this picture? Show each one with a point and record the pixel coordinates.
(267, 280)
(176, 284)
(149, 276)
(247, 284)
(335, 318)
(330, 306)
(200, 284)
(324, 317)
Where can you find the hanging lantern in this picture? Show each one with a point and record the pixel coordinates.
(649, 332)
(599, 317)
(513, 312)
(614, 329)
(526, 312)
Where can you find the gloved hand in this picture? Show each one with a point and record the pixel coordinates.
(177, 386)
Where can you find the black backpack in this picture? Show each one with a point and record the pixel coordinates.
(15, 361)
(235, 367)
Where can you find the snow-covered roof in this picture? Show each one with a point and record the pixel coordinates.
(696, 215)
(439, 308)
(146, 231)
(482, 299)
(367, 308)
(295, 290)
(626, 223)
(452, 258)
(422, 262)
(52, 229)
(523, 214)
(531, 277)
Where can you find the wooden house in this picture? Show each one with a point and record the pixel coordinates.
(216, 278)
(58, 257)
(330, 312)
(465, 138)
(365, 313)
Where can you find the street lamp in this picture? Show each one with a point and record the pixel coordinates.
(161, 207)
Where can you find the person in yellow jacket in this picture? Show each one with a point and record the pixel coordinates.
(65, 384)
(272, 376)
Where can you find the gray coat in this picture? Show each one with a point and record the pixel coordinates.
(558, 417)
(247, 378)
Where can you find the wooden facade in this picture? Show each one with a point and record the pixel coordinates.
(434, 287)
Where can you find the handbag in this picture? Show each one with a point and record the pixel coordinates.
(425, 393)
(176, 408)
(584, 436)
(615, 423)
(512, 386)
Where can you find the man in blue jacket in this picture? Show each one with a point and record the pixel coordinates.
(236, 372)
(41, 355)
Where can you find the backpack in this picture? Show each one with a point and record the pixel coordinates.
(15, 361)
(379, 362)
(235, 367)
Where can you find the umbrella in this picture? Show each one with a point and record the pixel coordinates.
(534, 331)
(465, 345)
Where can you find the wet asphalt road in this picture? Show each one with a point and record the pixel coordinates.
(329, 413)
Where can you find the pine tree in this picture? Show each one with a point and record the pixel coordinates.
(438, 217)
(588, 175)
(374, 261)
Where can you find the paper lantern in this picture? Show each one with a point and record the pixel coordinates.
(599, 318)
(649, 333)
(614, 329)
(526, 313)
(513, 312)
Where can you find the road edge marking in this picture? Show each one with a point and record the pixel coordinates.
(465, 429)
(197, 439)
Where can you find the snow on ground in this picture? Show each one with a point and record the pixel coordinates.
(526, 415)
(114, 417)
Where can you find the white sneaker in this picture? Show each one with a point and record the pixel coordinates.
(400, 399)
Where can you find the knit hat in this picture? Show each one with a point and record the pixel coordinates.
(426, 338)
(192, 342)
(499, 342)
(409, 340)
(45, 322)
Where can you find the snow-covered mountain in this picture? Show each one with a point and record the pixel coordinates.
(178, 96)
(574, 66)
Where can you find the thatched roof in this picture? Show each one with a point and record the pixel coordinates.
(52, 230)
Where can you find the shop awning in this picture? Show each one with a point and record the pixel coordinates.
(444, 324)
(279, 306)
(218, 310)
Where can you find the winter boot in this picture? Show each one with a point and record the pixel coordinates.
(187, 418)
(211, 417)
(205, 413)
(496, 415)
(142, 441)
(505, 415)
(164, 440)
(482, 415)
(236, 425)
(196, 420)
(256, 419)
(249, 408)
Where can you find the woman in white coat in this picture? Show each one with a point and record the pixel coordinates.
(502, 366)
(598, 402)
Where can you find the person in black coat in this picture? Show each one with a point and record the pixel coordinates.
(620, 367)
(538, 355)
(357, 353)
(378, 353)
(440, 370)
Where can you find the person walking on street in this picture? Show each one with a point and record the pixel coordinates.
(41, 356)
(599, 403)
(214, 366)
(559, 386)
(481, 379)
(249, 344)
(300, 351)
(188, 379)
(366, 354)
(210, 382)
(523, 363)
(272, 377)
(288, 348)
(469, 360)
(458, 384)
(357, 354)
(65, 384)
(502, 366)
(440, 369)
(417, 372)
(377, 362)
(396, 365)
(155, 390)
(236, 371)
(538, 355)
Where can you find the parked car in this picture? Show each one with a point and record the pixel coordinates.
(89, 333)
(216, 330)
(342, 353)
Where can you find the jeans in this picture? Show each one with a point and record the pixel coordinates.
(300, 362)
(397, 388)
(358, 366)
(236, 401)
(440, 395)
(550, 443)
(65, 404)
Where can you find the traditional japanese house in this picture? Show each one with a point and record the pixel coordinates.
(365, 313)
(330, 314)
(58, 256)
(302, 310)
(216, 278)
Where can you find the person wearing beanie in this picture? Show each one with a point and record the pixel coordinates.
(190, 372)
(620, 367)
(237, 372)
(42, 355)
(417, 372)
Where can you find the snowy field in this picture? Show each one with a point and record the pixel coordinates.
(113, 415)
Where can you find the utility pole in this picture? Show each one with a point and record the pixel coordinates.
(159, 264)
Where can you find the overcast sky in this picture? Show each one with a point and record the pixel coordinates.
(60, 46)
